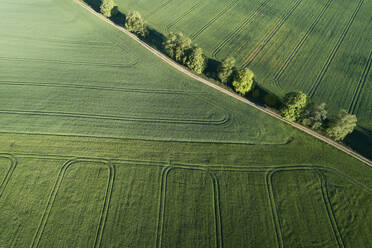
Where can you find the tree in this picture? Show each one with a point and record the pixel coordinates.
(195, 60)
(176, 45)
(243, 81)
(294, 104)
(314, 116)
(108, 8)
(225, 69)
(342, 125)
(134, 23)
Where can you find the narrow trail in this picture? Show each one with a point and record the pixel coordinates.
(227, 92)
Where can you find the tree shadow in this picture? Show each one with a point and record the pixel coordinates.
(94, 4)
(361, 141)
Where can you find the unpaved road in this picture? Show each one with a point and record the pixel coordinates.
(210, 84)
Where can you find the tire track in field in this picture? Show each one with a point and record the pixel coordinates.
(106, 205)
(9, 173)
(360, 86)
(95, 87)
(53, 195)
(162, 203)
(334, 50)
(67, 62)
(330, 212)
(163, 5)
(217, 208)
(239, 29)
(274, 210)
(298, 47)
(180, 18)
(232, 4)
(224, 121)
(260, 46)
(60, 41)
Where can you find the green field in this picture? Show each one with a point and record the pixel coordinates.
(321, 47)
(104, 145)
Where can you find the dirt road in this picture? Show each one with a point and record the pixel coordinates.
(210, 84)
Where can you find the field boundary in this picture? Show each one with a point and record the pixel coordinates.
(53, 195)
(360, 86)
(334, 51)
(13, 164)
(261, 45)
(298, 47)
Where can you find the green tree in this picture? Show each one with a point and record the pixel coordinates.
(108, 8)
(342, 125)
(195, 60)
(176, 45)
(243, 81)
(226, 69)
(293, 105)
(134, 23)
(314, 116)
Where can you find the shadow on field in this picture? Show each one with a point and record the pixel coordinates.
(361, 141)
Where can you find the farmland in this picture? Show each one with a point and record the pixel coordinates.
(104, 145)
(321, 47)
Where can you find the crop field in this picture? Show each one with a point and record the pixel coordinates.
(321, 47)
(104, 145)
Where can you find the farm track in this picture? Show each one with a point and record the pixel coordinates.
(67, 62)
(53, 195)
(9, 173)
(231, 5)
(334, 50)
(298, 47)
(180, 18)
(224, 121)
(239, 29)
(330, 212)
(360, 86)
(248, 60)
(156, 10)
(227, 92)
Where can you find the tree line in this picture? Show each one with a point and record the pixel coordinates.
(295, 106)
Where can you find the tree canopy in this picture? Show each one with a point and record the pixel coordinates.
(195, 60)
(342, 125)
(108, 8)
(134, 23)
(225, 69)
(314, 116)
(293, 105)
(243, 81)
(176, 45)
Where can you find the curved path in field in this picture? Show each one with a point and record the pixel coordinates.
(227, 92)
